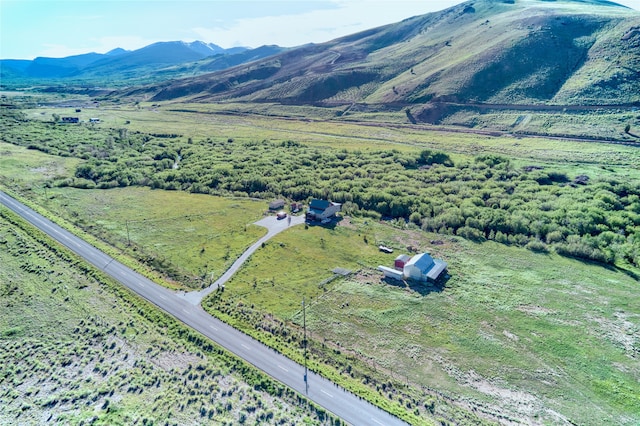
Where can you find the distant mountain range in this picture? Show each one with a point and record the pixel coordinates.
(512, 52)
(157, 61)
(504, 54)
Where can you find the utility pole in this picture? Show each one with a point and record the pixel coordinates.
(304, 327)
(128, 239)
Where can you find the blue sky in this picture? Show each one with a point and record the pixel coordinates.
(57, 28)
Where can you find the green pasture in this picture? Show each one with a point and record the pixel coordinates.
(297, 264)
(532, 337)
(24, 167)
(78, 350)
(527, 334)
(192, 237)
(203, 121)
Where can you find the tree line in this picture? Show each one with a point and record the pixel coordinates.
(483, 197)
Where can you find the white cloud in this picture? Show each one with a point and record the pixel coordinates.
(315, 26)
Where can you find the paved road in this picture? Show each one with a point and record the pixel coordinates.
(344, 404)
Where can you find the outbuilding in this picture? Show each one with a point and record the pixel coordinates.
(276, 205)
(391, 273)
(423, 267)
(401, 261)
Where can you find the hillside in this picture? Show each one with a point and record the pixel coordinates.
(524, 52)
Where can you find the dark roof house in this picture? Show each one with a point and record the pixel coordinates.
(322, 209)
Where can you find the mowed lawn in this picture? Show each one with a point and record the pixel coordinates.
(535, 335)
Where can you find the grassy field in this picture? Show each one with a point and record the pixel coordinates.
(272, 278)
(513, 336)
(28, 169)
(589, 124)
(533, 337)
(201, 122)
(77, 349)
(193, 238)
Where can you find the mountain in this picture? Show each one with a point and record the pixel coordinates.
(13, 68)
(60, 67)
(116, 51)
(166, 59)
(154, 55)
(515, 52)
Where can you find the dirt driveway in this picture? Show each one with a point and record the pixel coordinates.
(274, 226)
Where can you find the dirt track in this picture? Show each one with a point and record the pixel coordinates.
(493, 133)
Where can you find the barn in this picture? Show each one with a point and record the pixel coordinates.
(423, 267)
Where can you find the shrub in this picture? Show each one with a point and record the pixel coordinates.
(581, 250)
(555, 237)
(415, 218)
(537, 246)
(82, 183)
(469, 233)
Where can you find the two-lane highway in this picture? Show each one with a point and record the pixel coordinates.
(344, 404)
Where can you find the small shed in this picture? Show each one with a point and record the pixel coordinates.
(391, 273)
(401, 261)
(276, 205)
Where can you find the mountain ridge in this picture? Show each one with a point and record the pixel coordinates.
(164, 59)
(501, 52)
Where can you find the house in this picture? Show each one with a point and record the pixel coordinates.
(70, 120)
(401, 261)
(276, 205)
(422, 267)
(322, 209)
